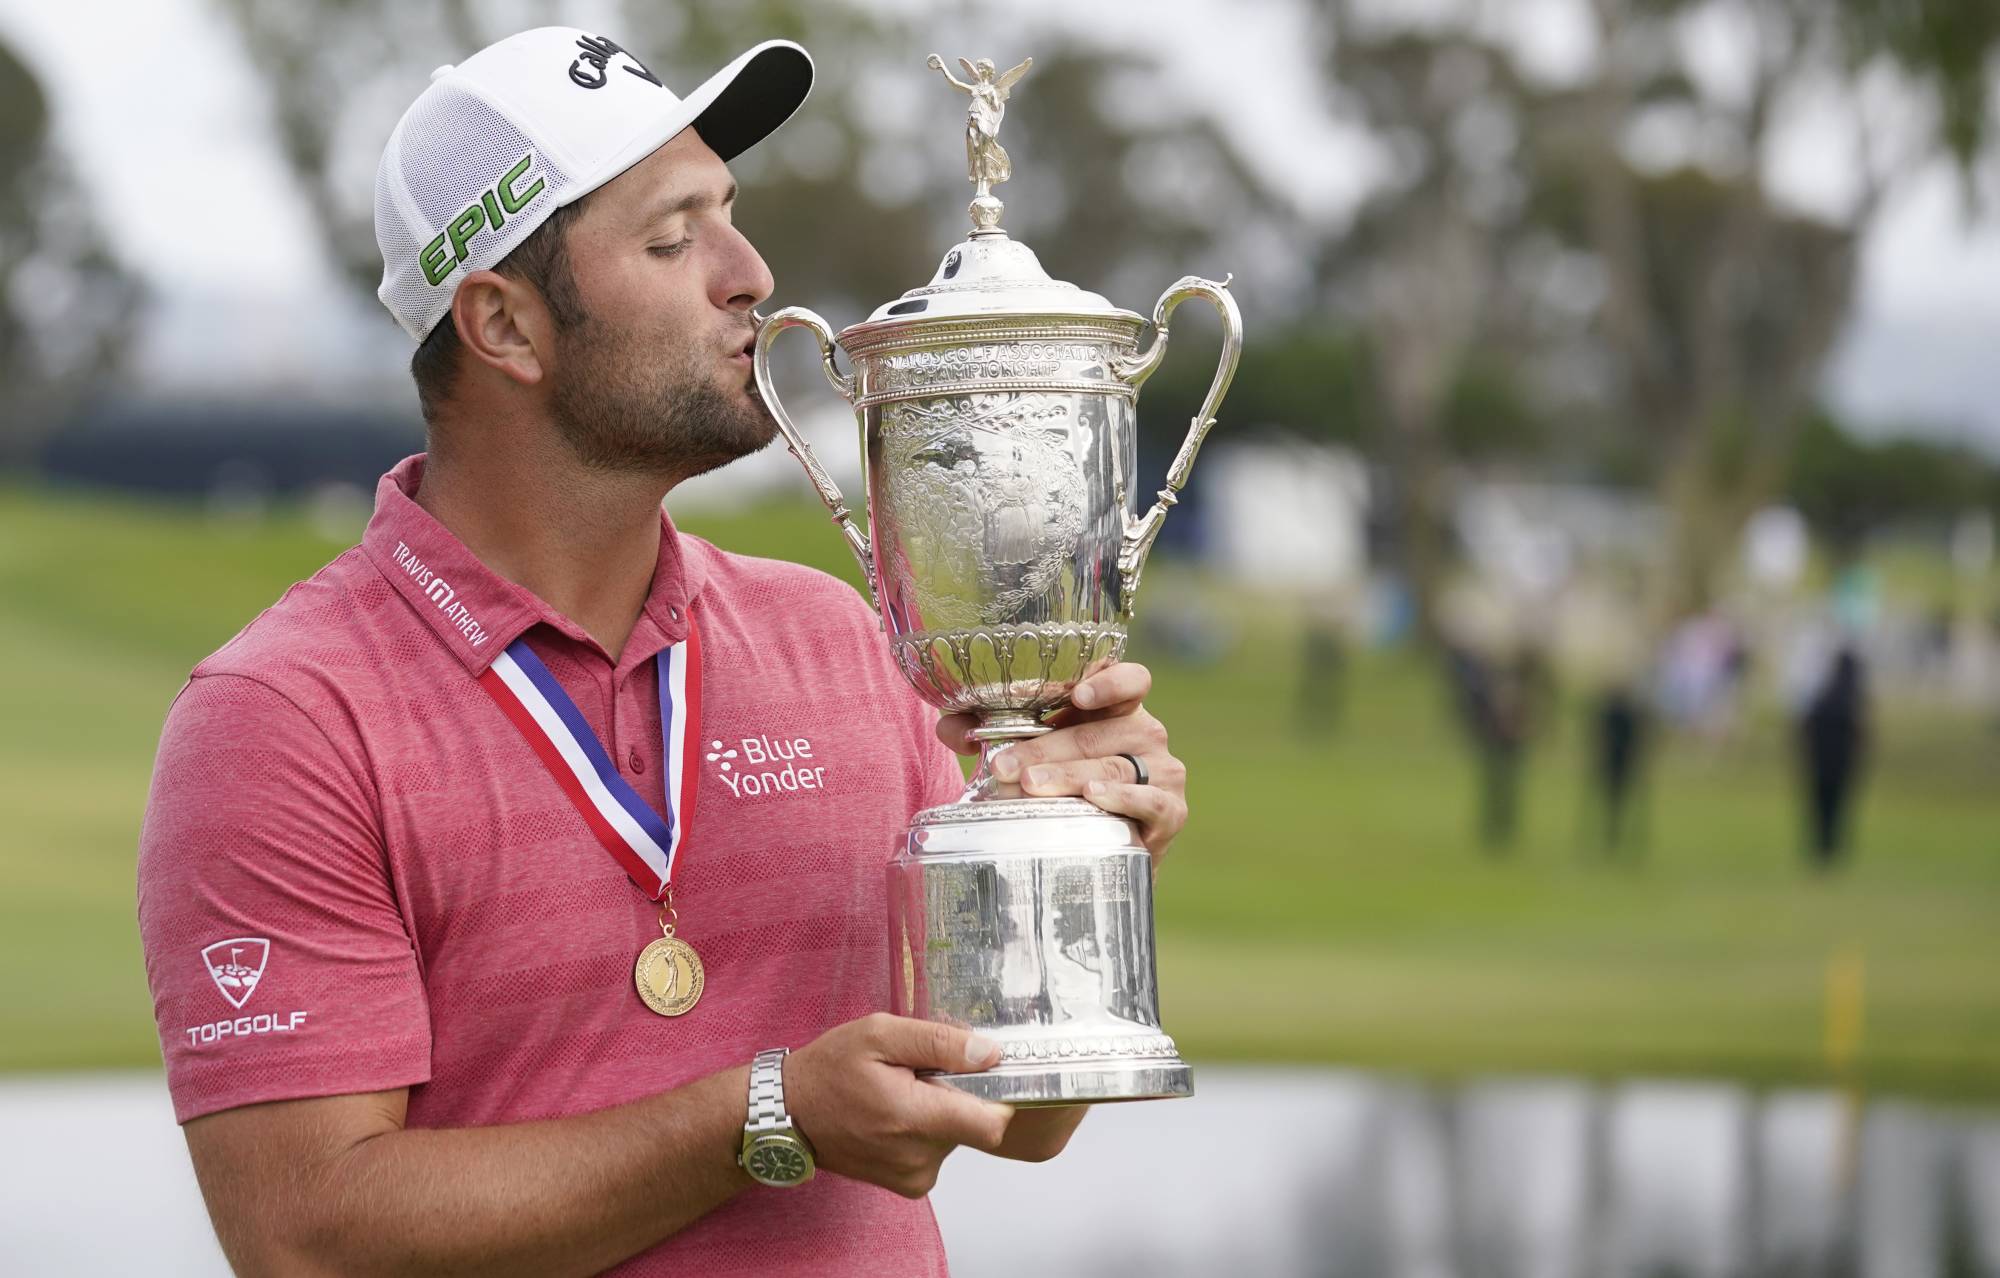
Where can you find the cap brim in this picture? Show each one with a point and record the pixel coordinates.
(752, 96)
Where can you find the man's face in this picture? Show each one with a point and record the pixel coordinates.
(657, 377)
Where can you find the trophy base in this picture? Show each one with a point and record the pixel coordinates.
(1030, 921)
(1080, 1084)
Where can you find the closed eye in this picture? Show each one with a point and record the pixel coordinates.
(669, 250)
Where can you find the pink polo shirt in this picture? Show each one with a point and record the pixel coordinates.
(356, 875)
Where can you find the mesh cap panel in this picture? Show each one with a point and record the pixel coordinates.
(449, 156)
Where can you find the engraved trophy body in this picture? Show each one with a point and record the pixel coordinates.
(998, 419)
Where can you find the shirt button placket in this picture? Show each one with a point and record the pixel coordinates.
(610, 690)
(633, 761)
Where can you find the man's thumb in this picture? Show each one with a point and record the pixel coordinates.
(935, 1045)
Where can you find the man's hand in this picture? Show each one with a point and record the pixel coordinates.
(854, 1093)
(1107, 718)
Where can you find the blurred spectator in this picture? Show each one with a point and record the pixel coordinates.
(1322, 673)
(1933, 644)
(1618, 738)
(1702, 675)
(1499, 703)
(1833, 735)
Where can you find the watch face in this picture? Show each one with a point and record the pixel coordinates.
(777, 1160)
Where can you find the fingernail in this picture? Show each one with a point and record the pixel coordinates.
(1085, 696)
(979, 1050)
(1095, 789)
(1006, 766)
(1041, 776)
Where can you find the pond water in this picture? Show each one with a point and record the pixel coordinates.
(1262, 1173)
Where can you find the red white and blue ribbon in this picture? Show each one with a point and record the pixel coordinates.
(642, 841)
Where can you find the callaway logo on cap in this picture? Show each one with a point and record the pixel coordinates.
(537, 121)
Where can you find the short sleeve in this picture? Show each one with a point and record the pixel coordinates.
(280, 964)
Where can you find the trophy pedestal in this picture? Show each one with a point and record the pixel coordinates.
(1031, 922)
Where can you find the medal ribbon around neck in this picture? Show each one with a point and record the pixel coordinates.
(643, 842)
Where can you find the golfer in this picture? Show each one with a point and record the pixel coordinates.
(487, 875)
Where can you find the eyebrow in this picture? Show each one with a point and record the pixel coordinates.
(691, 202)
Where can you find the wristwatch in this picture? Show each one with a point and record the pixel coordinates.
(774, 1153)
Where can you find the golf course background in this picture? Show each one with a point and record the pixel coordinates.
(1327, 902)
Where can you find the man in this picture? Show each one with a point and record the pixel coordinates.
(1833, 747)
(391, 938)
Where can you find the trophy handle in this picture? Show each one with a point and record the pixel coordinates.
(1137, 542)
(843, 386)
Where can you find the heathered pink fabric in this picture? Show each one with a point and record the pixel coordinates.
(333, 780)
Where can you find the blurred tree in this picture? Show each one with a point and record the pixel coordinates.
(1849, 487)
(1312, 382)
(1115, 193)
(1490, 415)
(1426, 271)
(1615, 231)
(1948, 46)
(65, 304)
(1720, 305)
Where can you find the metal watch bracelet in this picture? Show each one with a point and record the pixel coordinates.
(767, 1091)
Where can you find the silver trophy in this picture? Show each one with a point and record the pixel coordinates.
(998, 419)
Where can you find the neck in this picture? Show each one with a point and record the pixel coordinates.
(585, 541)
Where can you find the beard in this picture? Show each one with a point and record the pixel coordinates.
(628, 402)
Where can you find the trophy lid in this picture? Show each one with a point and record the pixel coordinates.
(987, 273)
(990, 274)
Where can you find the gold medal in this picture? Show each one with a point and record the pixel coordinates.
(669, 976)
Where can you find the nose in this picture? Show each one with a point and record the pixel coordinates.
(743, 280)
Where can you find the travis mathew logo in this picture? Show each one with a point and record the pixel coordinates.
(439, 591)
(759, 767)
(237, 968)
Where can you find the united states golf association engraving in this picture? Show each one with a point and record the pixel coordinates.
(987, 487)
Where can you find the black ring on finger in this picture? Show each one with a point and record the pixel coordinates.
(1138, 767)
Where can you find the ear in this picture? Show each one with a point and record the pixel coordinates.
(504, 324)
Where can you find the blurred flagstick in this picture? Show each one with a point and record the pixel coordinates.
(1846, 1008)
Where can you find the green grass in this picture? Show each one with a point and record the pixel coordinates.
(1326, 903)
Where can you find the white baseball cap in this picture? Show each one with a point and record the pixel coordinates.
(539, 120)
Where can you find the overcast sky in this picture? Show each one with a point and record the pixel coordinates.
(153, 95)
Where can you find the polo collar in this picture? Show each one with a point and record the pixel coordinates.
(474, 611)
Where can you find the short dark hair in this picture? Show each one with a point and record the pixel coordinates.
(541, 260)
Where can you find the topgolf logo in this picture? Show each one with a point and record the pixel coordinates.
(237, 968)
(236, 965)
